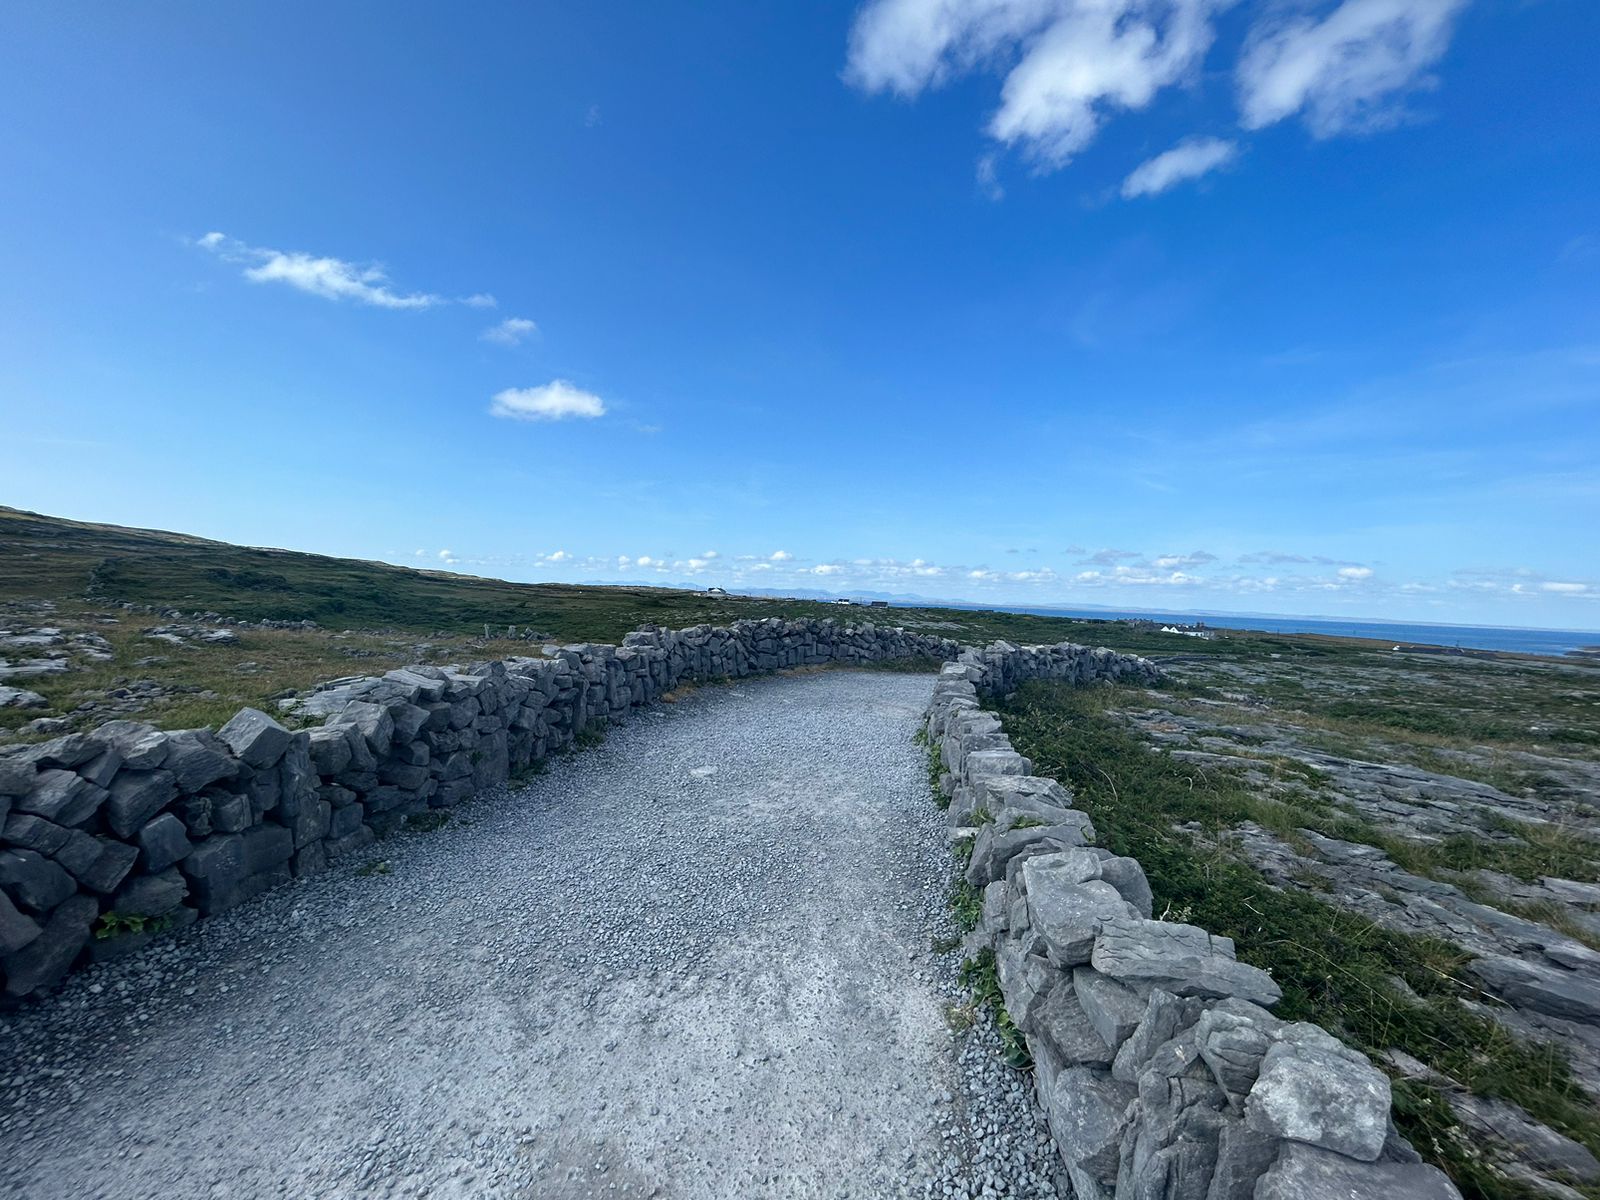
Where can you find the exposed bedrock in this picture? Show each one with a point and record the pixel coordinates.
(1163, 1071)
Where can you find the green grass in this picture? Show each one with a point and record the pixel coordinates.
(1336, 968)
(590, 736)
(60, 560)
(116, 924)
(920, 665)
(966, 905)
(374, 616)
(935, 765)
(978, 975)
(1464, 716)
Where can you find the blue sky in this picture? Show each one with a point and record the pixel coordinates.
(1265, 306)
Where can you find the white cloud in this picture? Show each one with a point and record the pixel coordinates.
(1187, 160)
(624, 561)
(558, 556)
(550, 402)
(1279, 557)
(1195, 558)
(513, 331)
(780, 556)
(480, 300)
(1105, 54)
(1108, 557)
(1069, 66)
(826, 569)
(1355, 572)
(1138, 576)
(318, 275)
(335, 279)
(709, 554)
(1345, 70)
(1076, 61)
(989, 178)
(1566, 589)
(644, 560)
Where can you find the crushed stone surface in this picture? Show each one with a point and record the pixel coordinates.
(695, 961)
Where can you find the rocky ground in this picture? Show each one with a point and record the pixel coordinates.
(698, 960)
(1459, 802)
(68, 666)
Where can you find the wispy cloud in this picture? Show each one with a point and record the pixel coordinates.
(1187, 160)
(317, 275)
(1195, 558)
(1076, 61)
(1345, 71)
(1109, 557)
(1069, 67)
(513, 331)
(1198, 578)
(1278, 557)
(554, 401)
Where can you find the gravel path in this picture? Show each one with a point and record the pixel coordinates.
(693, 962)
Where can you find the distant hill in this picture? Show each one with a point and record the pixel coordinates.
(68, 562)
(51, 558)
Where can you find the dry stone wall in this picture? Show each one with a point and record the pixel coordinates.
(1163, 1072)
(128, 831)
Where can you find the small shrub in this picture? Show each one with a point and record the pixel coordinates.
(966, 903)
(979, 977)
(115, 924)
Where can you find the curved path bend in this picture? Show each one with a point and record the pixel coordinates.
(692, 962)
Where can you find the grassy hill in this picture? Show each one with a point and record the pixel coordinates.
(67, 562)
(74, 576)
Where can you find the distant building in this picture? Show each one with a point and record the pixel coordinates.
(842, 600)
(716, 591)
(878, 604)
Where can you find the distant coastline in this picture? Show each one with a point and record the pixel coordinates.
(1513, 639)
(1554, 643)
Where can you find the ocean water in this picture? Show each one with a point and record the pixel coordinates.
(1471, 637)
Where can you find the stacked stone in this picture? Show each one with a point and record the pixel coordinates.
(1004, 667)
(1162, 1072)
(133, 831)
